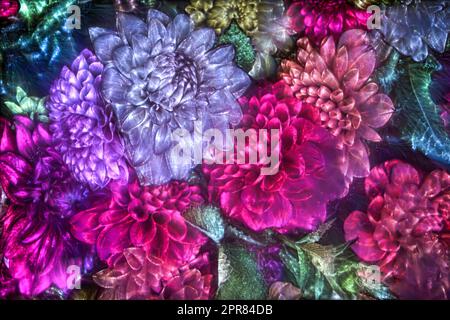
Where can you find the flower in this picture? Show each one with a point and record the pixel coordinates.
(414, 26)
(8, 8)
(284, 291)
(335, 80)
(36, 240)
(218, 14)
(262, 20)
(137, 275)
(83, 127)
(293, 193)
(321, 18)
(147, 217)
(269, 263)
(162, 76)
(400, 231)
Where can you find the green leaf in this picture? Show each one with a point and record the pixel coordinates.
(14, 108)
(20, 94)
(388, 74)
(245, 54)
(207, 219)
(318, 234)
(419, 117)
(242, 278)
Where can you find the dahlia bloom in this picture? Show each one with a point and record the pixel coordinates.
(307, 175)
(147, 217)
(161, 76)
(415, 26)
(37, 244)
(136, 275)
(321, 18)
(82, 125)
(335, 80)
(400, 231)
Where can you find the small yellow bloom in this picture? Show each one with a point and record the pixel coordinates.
(220, 13)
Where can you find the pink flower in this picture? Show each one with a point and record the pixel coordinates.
(148, 217)
(37, 244)
(320, 18)
(306, 177)
(136, 275)
(400, 231)
(335, 80)
(8, 8)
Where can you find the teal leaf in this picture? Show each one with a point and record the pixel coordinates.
(241, 278)
(419, 117)
(207, 219)
(14, 108)
(387, 75)
(20, 94)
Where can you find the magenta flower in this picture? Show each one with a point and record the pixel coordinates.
(83, 126)
(320, 18)
(8, 8)
(8, 285)
(37, 244)
(147, 217)
(400, 231)
(306, 177)
(335, 79)
(136, 275)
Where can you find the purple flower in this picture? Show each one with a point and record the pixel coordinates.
(82, 125)
(37, 245)
(161, 75)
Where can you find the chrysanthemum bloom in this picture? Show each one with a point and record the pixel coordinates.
(82, 125)
(400, 231)
(335, 80)
(161, 76)
(294, 193)
(137, 275)
(320, 18)
(37, 244)
(147, 217)
(415, 26)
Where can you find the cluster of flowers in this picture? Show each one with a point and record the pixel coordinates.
(98, 184)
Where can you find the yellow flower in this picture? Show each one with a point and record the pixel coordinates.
(219, 14)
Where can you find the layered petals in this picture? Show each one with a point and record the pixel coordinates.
(163, 77)
(335, 79)
(37, 246)
(287, 192)
(322, 18)
(136, 275)
(144, 217)
(83, 126)
(401, 229)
